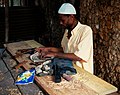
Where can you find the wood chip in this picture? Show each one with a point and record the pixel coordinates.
(1, 76)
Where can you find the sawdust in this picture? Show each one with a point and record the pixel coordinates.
(75, 86)
(77, 81)
(12, 63)
(1, 76)
(1, 90)
(13, 91)
(81, 77)
(39, 93)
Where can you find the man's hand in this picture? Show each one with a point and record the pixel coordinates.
(49, 54)
(42, 49)
(49, 49)
(45, 52)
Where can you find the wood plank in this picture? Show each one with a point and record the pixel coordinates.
(97, 84)
(83, 82)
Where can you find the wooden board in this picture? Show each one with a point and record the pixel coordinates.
(82, 83)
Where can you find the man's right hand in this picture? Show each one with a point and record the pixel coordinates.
(42, 49)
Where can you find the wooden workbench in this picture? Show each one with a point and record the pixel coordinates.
(83, 82)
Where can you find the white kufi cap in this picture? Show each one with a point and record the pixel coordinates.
(67, 8)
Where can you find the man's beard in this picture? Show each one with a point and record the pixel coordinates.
(68, 27)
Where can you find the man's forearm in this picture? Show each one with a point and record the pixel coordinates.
(71, 56)
(53, 49)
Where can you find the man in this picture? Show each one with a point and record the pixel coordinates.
(77, 42)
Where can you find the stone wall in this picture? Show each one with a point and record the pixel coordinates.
(104, 18)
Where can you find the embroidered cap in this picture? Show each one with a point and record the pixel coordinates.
(67, 8)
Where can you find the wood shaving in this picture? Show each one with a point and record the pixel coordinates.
(75, 86)
(1, 90)
(39, 93)
(12, 63)
(13, 92)
(81, 77)
(1, 76)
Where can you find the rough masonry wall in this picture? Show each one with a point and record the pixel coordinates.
(104, 18)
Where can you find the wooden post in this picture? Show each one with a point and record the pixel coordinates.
(6, 20)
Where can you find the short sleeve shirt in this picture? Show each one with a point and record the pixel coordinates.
(81, 44)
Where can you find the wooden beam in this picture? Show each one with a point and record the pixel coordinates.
(6, 20)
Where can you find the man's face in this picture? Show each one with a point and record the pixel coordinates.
(65, 21)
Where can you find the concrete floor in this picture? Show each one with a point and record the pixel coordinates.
(8, 76)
